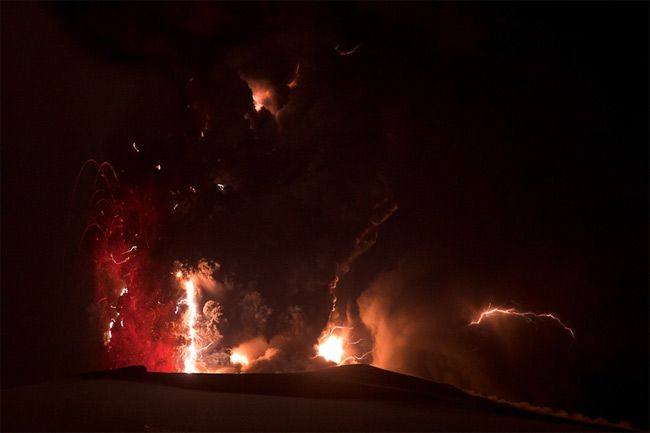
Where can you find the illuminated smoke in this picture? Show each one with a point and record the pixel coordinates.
(333, 339)
(263, 96)
(204, 350)
(362, 243)
(251, 353)
(201, 325)
(489, 354)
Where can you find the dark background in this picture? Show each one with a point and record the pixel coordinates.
(513, 137)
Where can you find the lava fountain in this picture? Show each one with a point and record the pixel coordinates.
(189, 361)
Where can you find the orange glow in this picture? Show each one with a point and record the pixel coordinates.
(250, 352)
(238, 358)
(332, 349)
(294, 83)
(261, 96)
(333, 345)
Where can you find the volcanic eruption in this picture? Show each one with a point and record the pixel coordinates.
(217, 191)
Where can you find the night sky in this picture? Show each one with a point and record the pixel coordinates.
(512, 138)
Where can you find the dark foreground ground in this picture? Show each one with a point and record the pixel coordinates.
(350, 398)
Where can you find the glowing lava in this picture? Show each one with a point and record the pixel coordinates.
(189, 361)
(489, 312)
(332, 349)
(238, 358)
(172, 324)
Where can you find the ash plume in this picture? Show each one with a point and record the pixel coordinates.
(514, 356)
(280, 140)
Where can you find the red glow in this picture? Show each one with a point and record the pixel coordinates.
(133, 308)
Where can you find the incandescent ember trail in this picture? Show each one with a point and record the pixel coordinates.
(189, 361)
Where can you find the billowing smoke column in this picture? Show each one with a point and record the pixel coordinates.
(334, 342)
(184, 248)
(221, 242)
(491, 351)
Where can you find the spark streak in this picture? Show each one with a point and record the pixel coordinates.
(108, 335)
(344, 53)
(294, 83)
(119, 262)
(130, 250)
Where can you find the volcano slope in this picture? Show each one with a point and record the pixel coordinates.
(347, 398)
